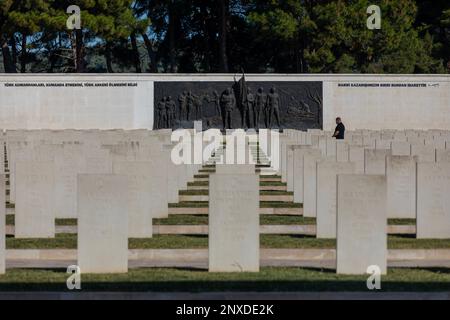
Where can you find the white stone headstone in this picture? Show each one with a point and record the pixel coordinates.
(342, 151)
(375, 161)
(433, 200)
(361, 224)
(297, 176)
(290, 165)
(35, 190)
(147, 195)
(383, 144)
(310, 184)
(67, 166)
(327, 173)
(284, 147)
(401, 148)
(443, 155)
(436, 143)
(401, 186)
(356, 155)
(103, 223)
(424, 153)
(234, 219)
(331, 148)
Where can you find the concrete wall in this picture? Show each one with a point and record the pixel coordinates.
(364, 102)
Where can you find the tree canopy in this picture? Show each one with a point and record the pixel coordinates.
(282, 36)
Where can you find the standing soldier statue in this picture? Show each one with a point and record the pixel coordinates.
(198, 107)
(216, 101)
(246, 109)
(161, 111)
(273, 104)
(182, 100)
(251, 107)
(190, 105)
(227, 102)
(170, 111)
(260, 106)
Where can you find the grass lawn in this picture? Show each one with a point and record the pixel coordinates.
(195, 280)
(184, 219)
(69, 241)
(261, 193)
(410, 222)
(262, 204)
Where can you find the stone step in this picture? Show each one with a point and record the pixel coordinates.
(205, 192)
(269, 179)
(265, 211)
(195, 198)
(213, 170)
(269, 198)
(261, 188)
(306, 229)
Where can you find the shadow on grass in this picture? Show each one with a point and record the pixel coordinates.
(313, 280)
(404, 236)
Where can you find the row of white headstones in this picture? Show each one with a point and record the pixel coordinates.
(351, 186)
(96, 177)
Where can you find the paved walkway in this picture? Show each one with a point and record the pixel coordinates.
(146, 263)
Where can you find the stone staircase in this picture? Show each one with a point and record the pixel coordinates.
(274, 198)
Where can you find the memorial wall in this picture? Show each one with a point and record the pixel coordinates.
(132, 101)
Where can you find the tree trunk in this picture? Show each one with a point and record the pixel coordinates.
(223, 58)
(14, 50)
(206, 35)
(79, 54)
(136, 57)
(151, 53)
(171, 35)
(108, 57)
(23, 56)
(7, 59)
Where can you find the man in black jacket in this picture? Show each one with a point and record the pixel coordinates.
(339, 132)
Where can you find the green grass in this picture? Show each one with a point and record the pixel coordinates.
(198, 183)
(170, 242)
(198, 280)
(262, 204)
(262, 183)
(193, 192)
(189, 204)
(10, 221)
(184, 219)
(61, 241)
(272, 183)
(281, 204)
(206, 192)
(410, 222)
(285, 220)
(201, 176)
(66, 222)
(69, 241)
(276, 193)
